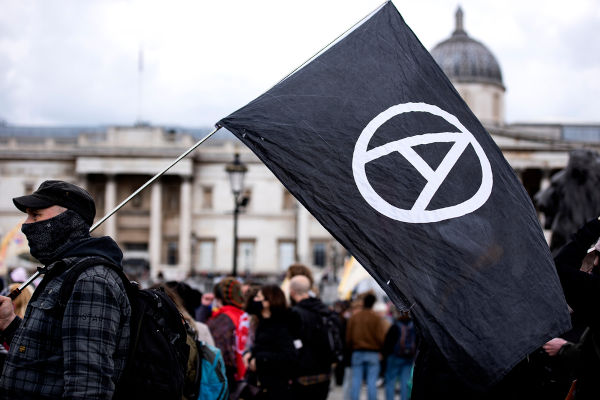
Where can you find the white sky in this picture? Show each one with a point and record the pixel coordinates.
(75, 62)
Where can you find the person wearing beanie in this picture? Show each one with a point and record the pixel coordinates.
(229, 326)
(79, 353)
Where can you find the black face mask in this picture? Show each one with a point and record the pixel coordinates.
(254, 307)
(292, 301)
(49, 238)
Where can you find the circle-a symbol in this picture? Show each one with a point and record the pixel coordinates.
(418, 213)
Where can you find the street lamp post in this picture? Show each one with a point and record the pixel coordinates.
(236, 171)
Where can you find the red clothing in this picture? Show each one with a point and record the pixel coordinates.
(240, 335)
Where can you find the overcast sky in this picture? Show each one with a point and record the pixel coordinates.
(75, 62)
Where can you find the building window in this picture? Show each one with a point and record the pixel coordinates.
(172, 253)
(246, 255)
(319, 252)
(206, 254)
(288, 200)
(207, 197)
(287, 254)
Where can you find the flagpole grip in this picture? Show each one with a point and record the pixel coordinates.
(15, 293)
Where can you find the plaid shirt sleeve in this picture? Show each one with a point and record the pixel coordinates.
(92, 329)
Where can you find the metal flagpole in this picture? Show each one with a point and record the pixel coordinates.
(13, 295)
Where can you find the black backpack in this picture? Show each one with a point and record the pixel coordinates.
(323, 333)
(157, 361)
(409, 348)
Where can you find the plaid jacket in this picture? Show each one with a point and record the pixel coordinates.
(78, 356)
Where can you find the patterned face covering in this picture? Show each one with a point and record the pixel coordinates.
(49, 238)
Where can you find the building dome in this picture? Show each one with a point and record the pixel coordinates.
(465, 60)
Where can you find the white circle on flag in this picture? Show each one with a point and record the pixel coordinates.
(418, 213)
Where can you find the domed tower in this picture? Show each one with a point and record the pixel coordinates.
(474, 71)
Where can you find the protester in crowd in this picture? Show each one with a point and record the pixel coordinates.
(81, 353)
(190, 299)
(229, 326)
(578, 272)
(342, 308)
(251, 290)
(365, 335)
(562, 355)
(248, 387)
(295, 270)
(400, 347)
(272, 356)
(314, 364)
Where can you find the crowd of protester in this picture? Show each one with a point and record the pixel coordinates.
(278, 340)
(274, 345)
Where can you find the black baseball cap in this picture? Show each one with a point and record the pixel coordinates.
(59, 193)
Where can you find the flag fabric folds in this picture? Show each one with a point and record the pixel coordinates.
(373, 139)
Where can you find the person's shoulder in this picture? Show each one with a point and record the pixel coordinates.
(100, 275)
(101, 271)
(220, 318)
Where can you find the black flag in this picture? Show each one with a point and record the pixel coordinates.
(373, 139)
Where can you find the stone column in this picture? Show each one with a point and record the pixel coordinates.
(110, 201)
(155, 228)
(302, 240)
(185, 225)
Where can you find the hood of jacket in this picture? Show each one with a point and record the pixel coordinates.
(103, 246)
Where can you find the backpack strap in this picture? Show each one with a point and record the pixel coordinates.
(73, 273)
(49, 273)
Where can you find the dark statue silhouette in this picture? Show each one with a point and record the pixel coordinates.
(572, 198)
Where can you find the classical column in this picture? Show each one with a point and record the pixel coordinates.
(302, 244)
(185, 224)
(110, 201)
(155, 228)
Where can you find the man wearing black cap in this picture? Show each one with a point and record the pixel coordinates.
(79, 352)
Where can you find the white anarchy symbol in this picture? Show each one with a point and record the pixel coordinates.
(418, 213)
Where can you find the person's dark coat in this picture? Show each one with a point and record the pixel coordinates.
(275, 356)
(582, 292)
(314, 354)
(82, 354)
